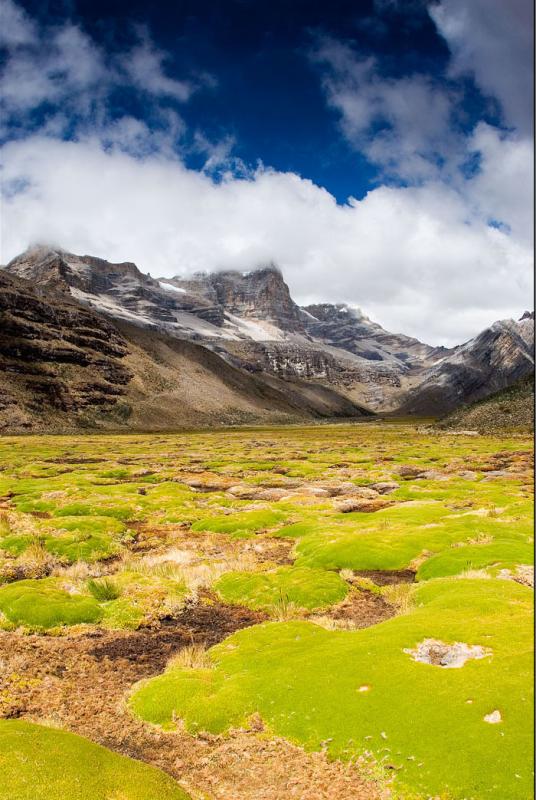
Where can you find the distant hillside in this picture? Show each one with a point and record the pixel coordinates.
(64, 367)
(258, 352)
(509, 409)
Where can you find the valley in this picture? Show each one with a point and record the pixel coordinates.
(313, 611)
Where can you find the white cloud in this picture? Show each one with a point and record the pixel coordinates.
(144, 65)
(62, 67)
(493, 41)
(414, 258)
(502, 189)
(402, 124)
(16, 27)
(423, 260)
(69, 68)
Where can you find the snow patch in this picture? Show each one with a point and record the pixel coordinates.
(170, 288)
(258, 330)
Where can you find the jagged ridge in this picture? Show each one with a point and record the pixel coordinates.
(251, 321)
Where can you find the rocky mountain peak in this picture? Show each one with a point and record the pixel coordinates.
(259, 294)
(56, 268)
(42, 265)
(330, 312)
(117, 289)
(251, 320)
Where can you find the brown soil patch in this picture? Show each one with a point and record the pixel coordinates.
(360, 609)
(74, 460)
(80, 682)
(207, 622)
(154, 539)
(388, 577)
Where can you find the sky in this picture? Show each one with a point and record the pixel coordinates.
(379, 152)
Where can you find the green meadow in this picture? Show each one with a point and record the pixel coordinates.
(298, 525)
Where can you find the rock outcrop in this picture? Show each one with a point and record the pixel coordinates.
(119, 290)
(56, 358)
(493, 360)
(250, 320)
(261, 294)
(64, 367)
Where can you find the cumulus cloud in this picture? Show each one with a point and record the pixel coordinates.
(17, 28)
(144, 66)
(440, 257)
(411, 257)
(60, 66)
(492, 40)
(402, 124)
(502, 189)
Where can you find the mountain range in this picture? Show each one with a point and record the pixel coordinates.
(86, 342)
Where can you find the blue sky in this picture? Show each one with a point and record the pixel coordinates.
(260, 84)
(380, 152)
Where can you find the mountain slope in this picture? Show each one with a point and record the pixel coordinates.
(493, 360)
(63, 366)
(509, 409)
(249, 320)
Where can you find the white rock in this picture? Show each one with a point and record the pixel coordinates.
(493, 718)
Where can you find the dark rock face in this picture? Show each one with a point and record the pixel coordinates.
(308, 361)
(119, 290)
(350, 330)
(56, 355)
(493, 360)
(261, 294)
(251, 321)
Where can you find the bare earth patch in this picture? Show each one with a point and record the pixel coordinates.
(360, 609)
(449, 656)
(80, 681)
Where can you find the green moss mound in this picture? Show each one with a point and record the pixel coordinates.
(398, 536)
(360, 691)
(140, 598)
(41, 604)
(245, 522)
(38, 763)
(496, 555)
(305, 588)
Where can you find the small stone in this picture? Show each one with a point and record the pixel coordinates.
(385, 487)
(493, 718)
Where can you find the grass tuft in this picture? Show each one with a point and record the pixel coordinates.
(103, 589)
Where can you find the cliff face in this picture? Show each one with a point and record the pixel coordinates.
(261, 294)
(63, 367)
(58, 357)
(351, 330)
(493, 360)
(251, 321)
(120, 290)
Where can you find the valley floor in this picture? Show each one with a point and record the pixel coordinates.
(339, 611)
